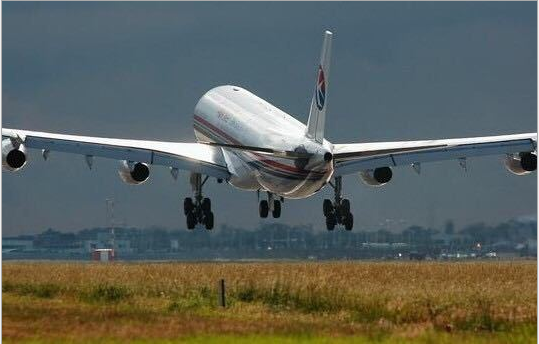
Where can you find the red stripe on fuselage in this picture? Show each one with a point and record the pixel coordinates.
(262, 158)
(217, 130)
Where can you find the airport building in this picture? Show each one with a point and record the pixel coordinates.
(514, 238)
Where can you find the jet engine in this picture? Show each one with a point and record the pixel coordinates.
(377, 177)
(13, 158)
(521, 163)
(133, 172)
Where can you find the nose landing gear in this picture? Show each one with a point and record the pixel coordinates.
(199, 210)
(272, 204)
(338, 212)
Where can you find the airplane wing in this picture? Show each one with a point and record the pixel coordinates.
(356, 157)
(194, 157)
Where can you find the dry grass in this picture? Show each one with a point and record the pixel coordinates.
(391, 301)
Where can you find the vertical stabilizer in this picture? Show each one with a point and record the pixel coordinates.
(317, 114)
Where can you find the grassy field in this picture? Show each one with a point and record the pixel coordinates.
(333, 302)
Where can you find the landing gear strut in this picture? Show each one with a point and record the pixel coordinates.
(338, 211)
(199, 210)
(272, 204)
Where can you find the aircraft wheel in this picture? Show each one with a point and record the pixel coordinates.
(349, 222)
(208, 221)
(338, 216)
(206, 205)
(330, 222)
(191, 220)
(328, 207)
(263, 209)
(345, 207)
(188, 205)
(276, 209)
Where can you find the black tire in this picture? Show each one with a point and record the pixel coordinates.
(345, 207)
(206, 205)
(349, 222)
(208, 221)
(188, 205)
(191, 220)
(330, 222)
(276, 209)
(263, 209)
(327, 206)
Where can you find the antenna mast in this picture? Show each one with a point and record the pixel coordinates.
(110, 220)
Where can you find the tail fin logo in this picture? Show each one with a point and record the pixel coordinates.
(320, 89)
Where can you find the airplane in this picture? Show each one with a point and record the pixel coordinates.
(253, 145)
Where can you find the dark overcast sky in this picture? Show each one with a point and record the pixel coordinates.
(400, 70)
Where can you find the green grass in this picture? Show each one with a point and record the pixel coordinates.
(519, 336)
(42, 290)
(270, 302)
(105, 293)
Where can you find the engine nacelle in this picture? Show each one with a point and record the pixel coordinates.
(521, 163)
(377, 177)
(133, 172)
(13, 158)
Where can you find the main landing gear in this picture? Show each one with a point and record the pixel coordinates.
(272, 204)
(198, 211)
(338, 212)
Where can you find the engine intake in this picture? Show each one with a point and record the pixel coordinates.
(521, 163)
(377, 177)
(528, 161)
(133, 172)
(13, 158)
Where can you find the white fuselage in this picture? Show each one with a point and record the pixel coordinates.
(233, 115)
